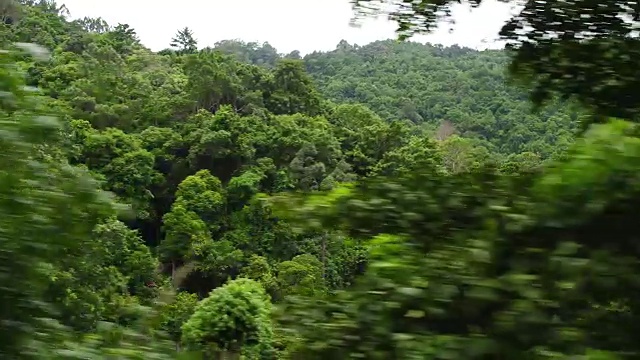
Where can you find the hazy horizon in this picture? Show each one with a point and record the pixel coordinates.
(306, 26)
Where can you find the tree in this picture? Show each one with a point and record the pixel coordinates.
(301, 275)
(91, 25)
(177, 313)
(123, 38)
(234, 319)
(258, 269)
(445, 130)
(104, 279)
(184, 42)
(294, 90)
(203, 194)
(457, 154)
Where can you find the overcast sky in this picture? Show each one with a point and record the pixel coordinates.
(288, 25)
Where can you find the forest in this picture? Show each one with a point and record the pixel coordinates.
(392, 200)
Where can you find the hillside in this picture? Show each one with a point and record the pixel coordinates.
(389, 201)
(431, 84)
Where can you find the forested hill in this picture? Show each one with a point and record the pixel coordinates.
(430, 84)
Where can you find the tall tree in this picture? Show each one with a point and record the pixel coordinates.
(184, 42)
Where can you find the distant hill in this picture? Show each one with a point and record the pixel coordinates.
(432, 84)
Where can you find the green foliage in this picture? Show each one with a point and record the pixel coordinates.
(99, 280)
(202, 194)
(445, 91)
(422, 212)
(301, 275)
(258, 269)
(476, 288)
(39, 198)
(233, 318)
(42, 196)
(178, 312)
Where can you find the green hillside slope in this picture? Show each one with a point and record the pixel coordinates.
(433, 84)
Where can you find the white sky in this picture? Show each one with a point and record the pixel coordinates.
(288, 25)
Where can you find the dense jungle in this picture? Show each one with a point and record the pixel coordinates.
(391, 200)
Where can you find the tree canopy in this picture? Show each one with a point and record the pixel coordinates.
(384, 201)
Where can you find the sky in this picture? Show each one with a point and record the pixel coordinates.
(304, 25)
